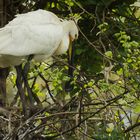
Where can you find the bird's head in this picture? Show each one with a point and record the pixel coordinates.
(73, 30)
(73, 35)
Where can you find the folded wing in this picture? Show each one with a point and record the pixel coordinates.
(32, 33)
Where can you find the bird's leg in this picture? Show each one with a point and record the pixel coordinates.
(25, 78)
(32, 97)
(20, 90)
(3, 76)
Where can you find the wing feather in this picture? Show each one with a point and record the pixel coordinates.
(38, 32)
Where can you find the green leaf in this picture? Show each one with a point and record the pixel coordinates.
(137, 107)
(109, 54)
(120, 71)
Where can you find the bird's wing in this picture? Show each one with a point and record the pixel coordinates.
(35, 17)
(26, 40)
(25, 37)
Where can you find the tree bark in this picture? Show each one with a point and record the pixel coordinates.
(3, 71)
(2, 19)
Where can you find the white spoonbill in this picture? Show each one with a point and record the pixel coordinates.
(39, 33)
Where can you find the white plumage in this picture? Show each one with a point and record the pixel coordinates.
(40, 33)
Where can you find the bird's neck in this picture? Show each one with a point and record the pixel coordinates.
(64, 44)
(67, 26)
